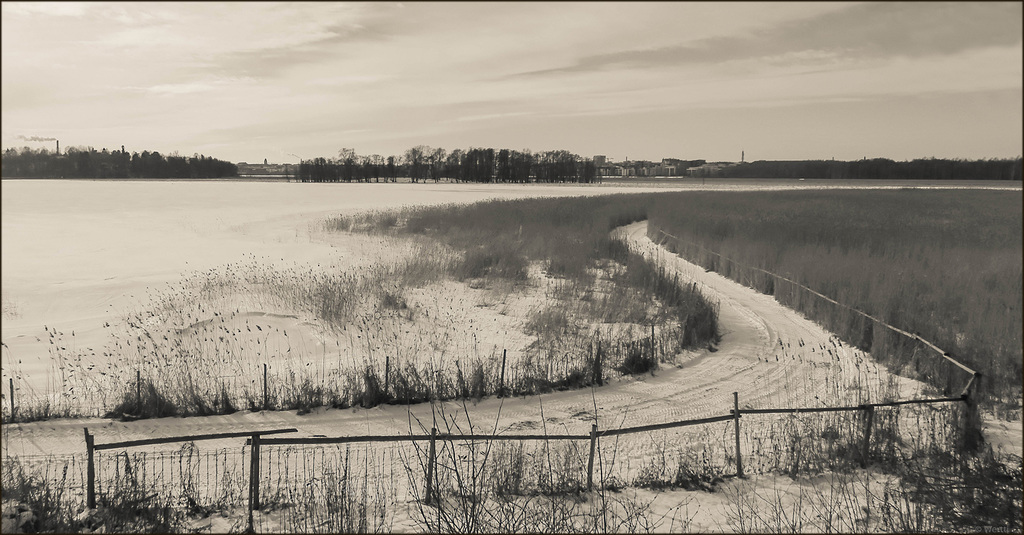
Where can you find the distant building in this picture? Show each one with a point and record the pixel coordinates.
(708, 169)
(663, 170)
(265, 169)
(600, 160)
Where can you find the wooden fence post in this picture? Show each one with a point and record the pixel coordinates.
(254, 476)
(90, 471)
(266, 398)
(138, 391)
(387, 374)
(971, 434)
(653, 355)
(12, 398)
(501, 387)
(430, 465)
(736, 421)
(870, 416)
(590, 463)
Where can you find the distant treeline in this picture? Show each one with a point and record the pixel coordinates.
(877, 168)
(90, 163)
(422, 163)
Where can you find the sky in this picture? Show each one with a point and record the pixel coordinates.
(631, 80)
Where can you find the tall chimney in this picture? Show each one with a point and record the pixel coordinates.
(58, 147)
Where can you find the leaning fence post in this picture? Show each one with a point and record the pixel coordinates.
(501, 388)
(430, 465)
(736, 421)
(590, 463)
(12, 398)
(266, 398)
(90, 471)
(870, 416)
(387, 374)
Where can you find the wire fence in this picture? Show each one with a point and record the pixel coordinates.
(424, 466)
(974, 375)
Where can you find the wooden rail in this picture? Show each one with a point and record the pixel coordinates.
(656, 427)
(447, 437)
(255, 440)
(254, 496)
(187, 438)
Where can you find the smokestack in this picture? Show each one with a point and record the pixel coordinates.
(58, 146)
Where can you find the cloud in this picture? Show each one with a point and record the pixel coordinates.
(272, 60)
(275, 38)
(51, 9)
(181, 89)
(489, 116)
(873, 30)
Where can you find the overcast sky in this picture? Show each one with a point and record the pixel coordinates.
(244, 82)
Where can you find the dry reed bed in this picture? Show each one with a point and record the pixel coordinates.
(943, 264)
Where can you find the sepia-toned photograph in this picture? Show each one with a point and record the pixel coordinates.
(512, 267)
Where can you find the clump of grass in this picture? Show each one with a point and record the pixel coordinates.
(302, 394)
(639, 359)
(393, 301)
(553, 321)
(689, 469)
(133, 507)
(151, 404)
(493, 261)
(341, 491)
(51, 502)
(492, 486)
(373, 393)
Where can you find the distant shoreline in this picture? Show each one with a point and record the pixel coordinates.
(615, 181)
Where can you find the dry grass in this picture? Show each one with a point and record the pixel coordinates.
(943, 264)
(199, 346)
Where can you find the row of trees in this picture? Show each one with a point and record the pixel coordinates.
(90, 163)
(877, 168)
(422, 163)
